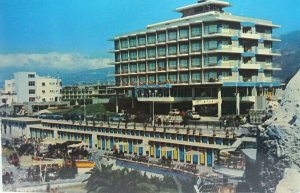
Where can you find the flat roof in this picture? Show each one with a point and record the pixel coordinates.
(209, 2)
(21, 119)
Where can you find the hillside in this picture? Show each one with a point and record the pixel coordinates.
(290, 59)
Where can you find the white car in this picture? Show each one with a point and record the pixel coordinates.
(194, 115)
(174, 112)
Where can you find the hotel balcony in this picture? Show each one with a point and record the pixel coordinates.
(268, 51)
(158, 99)
(221, 32)
(225, 49)
(270, 37)
(250, 66)
(255, 36)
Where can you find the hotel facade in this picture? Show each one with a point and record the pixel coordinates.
(208, 60)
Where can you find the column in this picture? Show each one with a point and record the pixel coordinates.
(219, 102)
(117, 101)
(238, 101)
(205, 152)
(95, 141)
(132, 98)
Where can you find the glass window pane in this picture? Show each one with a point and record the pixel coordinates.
(161, 65)
(172, 50)
(142, 41)
(132, 42)
(172, 78)
(196, 62)
(196, 77)
(184, 77)
(142, 67)
(151, 79)
(183, 33)
(196, 31)
(161, 37)
(184, 49)
(151, 39)
(124, 56)
(196, 47)
(172, 64)
(172, 35)
(151, 66)
(142, 54)
(151, 53)
(133, 55)
(133, 68)
(184, 63)
(162, 78)
(124, 43)
(161, 51)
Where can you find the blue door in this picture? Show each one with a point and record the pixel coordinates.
(111, 143)
(103, 143)
(157, 151)
(195, 159)
(209, 157)
(141, 150)
(91, 141)
(169, 154)
(181, 153)
(130, 147)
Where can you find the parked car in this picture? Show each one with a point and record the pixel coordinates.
(193, 115)
(118, 118)
(174, 112)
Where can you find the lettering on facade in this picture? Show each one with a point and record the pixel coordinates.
(205, 102)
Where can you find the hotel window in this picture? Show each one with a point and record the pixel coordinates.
(162, 79)
(196, 46)
(151, 79)
(161, 65)
(268, 45)
(125, 81)
(196, 77)
(268, 31)
(161, 37)
(211, 61)
(172, 35)
(173, 78)
(117, 57)
(133, 81)
(211, 29)
(151, 39)
(132, 55)
(142, 41)
(172, 50)
(117, 45)
(196, 62)
(184, 78)
(43, 91)
(133, 68)
(183, 63)
(142, 54)
(183, 48)
(124, 56)
(142, 80)
(43, 84)
(172, 64)
(268, 74)
(31, 83)
(124, 68)
(31, 75)
(151, 53)
(151, 66)
(210, 45)
(211, 76)
(124, 43)
(226, 74)
(225, 58)
(31, 99)
(132, 42)
(183, 33)
(161, 51)
(142, 67)
(31, 91)
(196, 31)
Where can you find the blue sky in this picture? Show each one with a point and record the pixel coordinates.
(84, 26)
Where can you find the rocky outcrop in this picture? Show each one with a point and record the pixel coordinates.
(278, 140)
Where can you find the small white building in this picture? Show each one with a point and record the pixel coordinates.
(30, 87)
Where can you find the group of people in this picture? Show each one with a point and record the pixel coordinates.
(7, 178)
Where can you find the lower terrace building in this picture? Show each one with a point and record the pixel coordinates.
(182, 145)
(99, 92)
(208, 60)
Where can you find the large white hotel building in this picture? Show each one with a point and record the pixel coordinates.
(208, 60)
